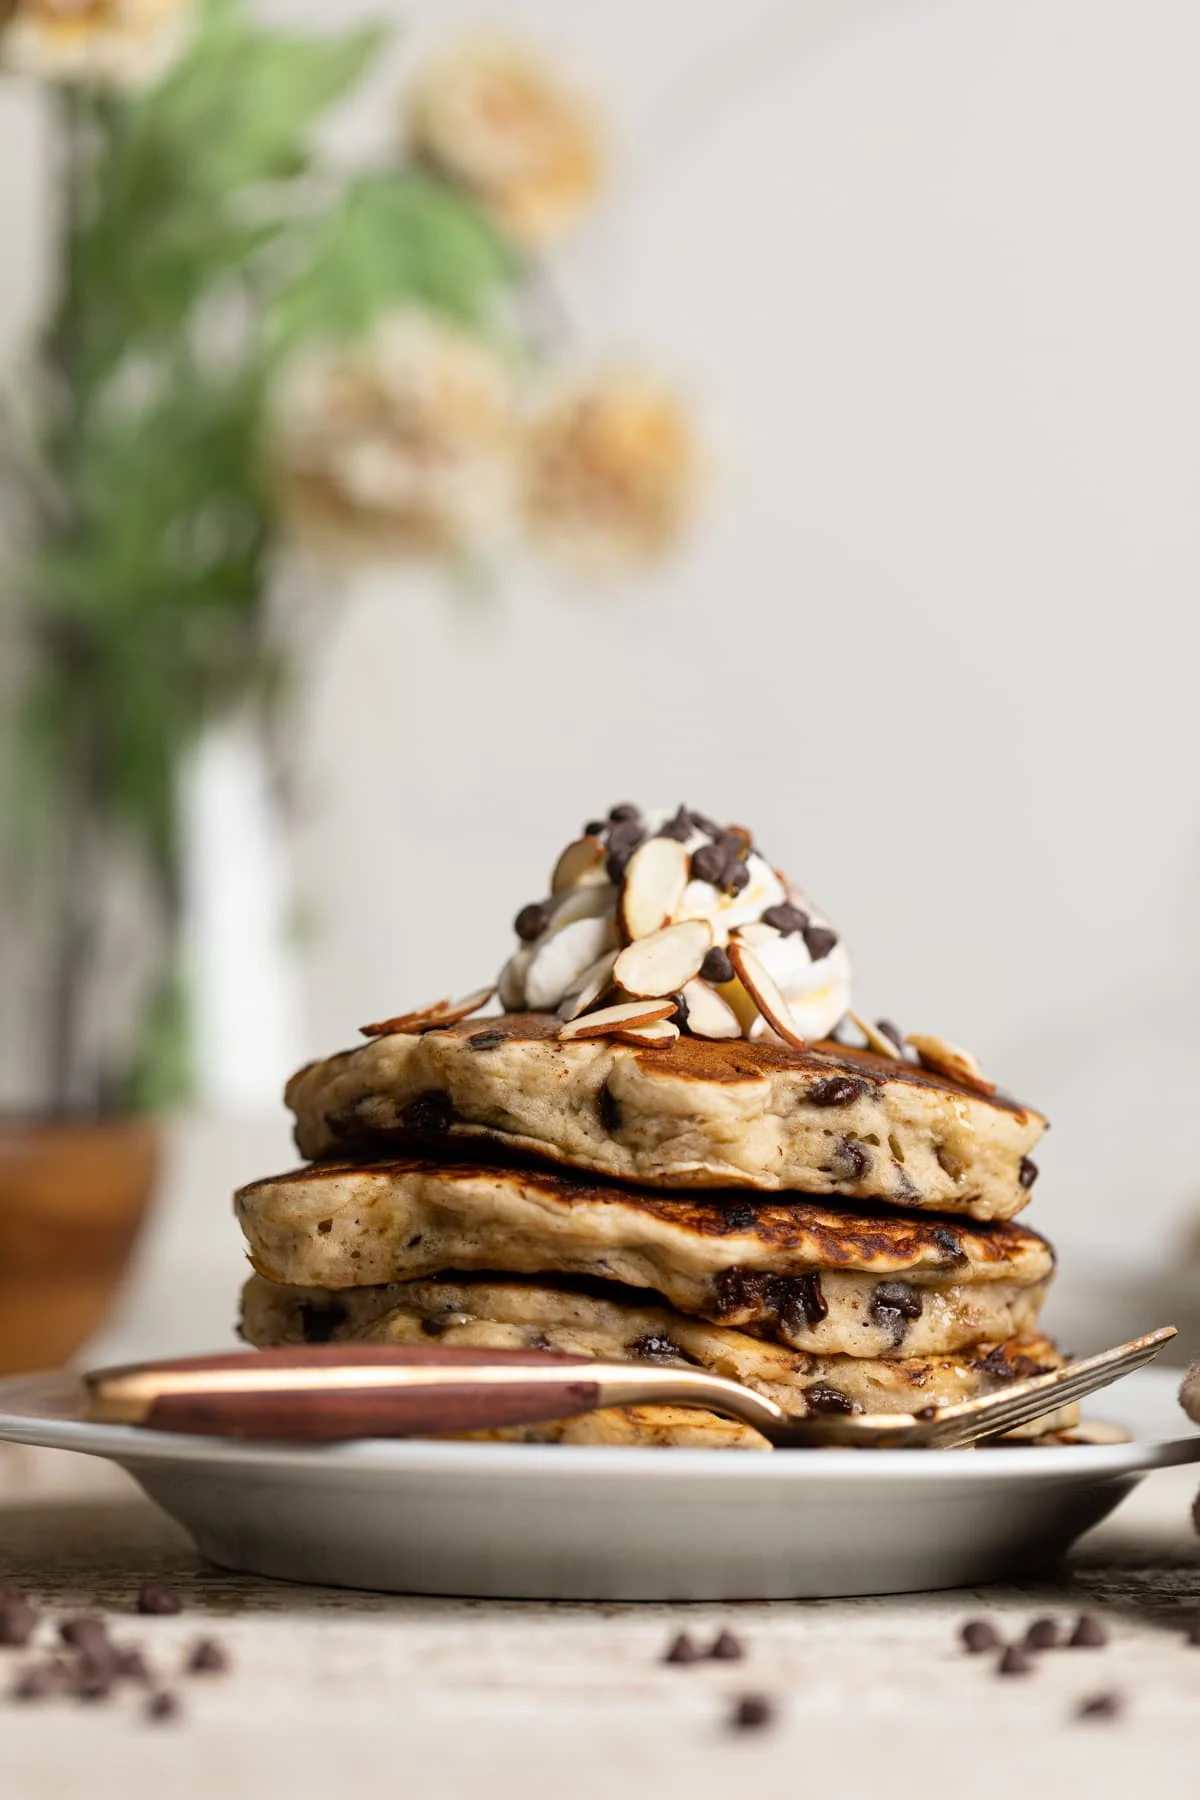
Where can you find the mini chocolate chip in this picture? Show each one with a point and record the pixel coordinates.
(679, 828)
(617, 862)
(485, 1040)
(950, 1244)
(1028, 1172)
(802, 1303)
(531, 921)
(18, 1621)
(849, 1161)
(836, 1090)
(1090, 1633)
(161, 1707)
(681, 1009)
(736, 877)
(655, 1346)
(1100, 1706)
(208, 1658)
(318, 1323)
(609, 1108)
(627, 834)
(595, 828)
(683, 1648)
(85, 1632)
(624, 812)
(1042, 1634)
(727, 1647)
(891, 1031)
(827, 1400)
(155, 1598)
(979, 1636)
(1014, 1662)
(785, 918)
(708, 864)
(716, 966)
(819, 940)
(751, 1713)
(429, 1115)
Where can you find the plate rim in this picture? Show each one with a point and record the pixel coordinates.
(132, 1446)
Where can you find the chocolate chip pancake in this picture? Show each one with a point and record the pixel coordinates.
(827, 1280)
(692, 1114)
(493, 1314)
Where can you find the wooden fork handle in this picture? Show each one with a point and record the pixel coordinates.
(331, 1393)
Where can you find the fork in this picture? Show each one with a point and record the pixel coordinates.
(328, 1393)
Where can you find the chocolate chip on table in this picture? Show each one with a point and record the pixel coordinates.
(1193, 1632)
(727, 1647)
(1100, 1706)
(162, 1707)
(18, 1622)
(1043, 1634)
(208, 1658)
(1028, 1172)
(92, 1680)
(131, 1665)
(84, 1632)
(819, 940)
(979, 1636)
(1014, 1662)
(683, 1648)
(751, 1712)
(156, 1598)
(836, 1090)
(37, 1683)
(1090, 1633)
(531, 921)
(785, 918)
(716, 966)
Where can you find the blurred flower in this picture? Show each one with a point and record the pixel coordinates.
(492, 115)
(397, 445)
(118, 43)
(609, 472)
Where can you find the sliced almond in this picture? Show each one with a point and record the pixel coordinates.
(595, 979)
(582, 861)
(765, 995)
(511, 986)
(708, 1014)
(755, 933)
(877, 1040)
(585, 902)
(655, 878)
(430, 1018)
(664, 961)
(661, 1033)
(561, 960)
(946, 1058)
(616, 1018)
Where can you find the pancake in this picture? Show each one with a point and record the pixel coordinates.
(847, 1281)
(495, 1315)
(693, 1114)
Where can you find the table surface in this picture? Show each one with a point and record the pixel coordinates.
(342, 1693)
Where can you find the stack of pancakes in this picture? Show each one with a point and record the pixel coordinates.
(829, 1225)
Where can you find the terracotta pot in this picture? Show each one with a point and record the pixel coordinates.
(72, 1197)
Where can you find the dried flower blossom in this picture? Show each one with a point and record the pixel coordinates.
(493, 116)
(609, 472)
(111, 43)
(397, 445)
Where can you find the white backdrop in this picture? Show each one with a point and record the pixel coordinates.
(929, 270)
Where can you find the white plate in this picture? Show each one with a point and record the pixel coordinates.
(574, 1523)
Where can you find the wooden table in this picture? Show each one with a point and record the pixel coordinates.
(334, 1693)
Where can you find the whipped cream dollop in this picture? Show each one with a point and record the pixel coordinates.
(738, 947)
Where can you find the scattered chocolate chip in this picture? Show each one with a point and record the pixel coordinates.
(1014, 1662)
(131, 1665)
(609, 1108)
(162, 1707)
(485, 1040)
(319, 1322)
(819, 940)
(727, 1647)
(18, 1622)
(1100, 1706)
(626, 834)
(837, 1090)
(655, 1346)
(708, 864)
(849, 1161)
(979, 1636)
(92, 1680)
(683, 1648)
(1043, 1634)
(208, 1658)
(1090, 1633)
(36, 1683)
(429, 1115)
(785, 918)
(751, 1712)
(891, 1031)
(85, 1632)
(155, 1598)
(820, 1399)
(716, 966)
(531, 921)
(1028, 1172)
(627, 811)
(679, 828)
